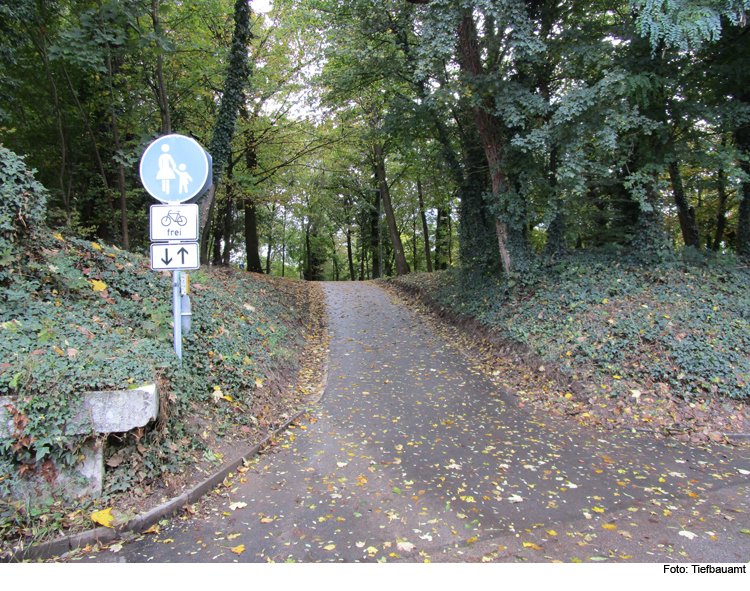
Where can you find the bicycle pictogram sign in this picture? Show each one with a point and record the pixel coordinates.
(174, 216)
(174, 222)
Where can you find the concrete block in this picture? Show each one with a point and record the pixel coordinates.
(112, 411)
(83, 478)
(115, 411)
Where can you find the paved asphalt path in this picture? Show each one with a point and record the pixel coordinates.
(412, 455)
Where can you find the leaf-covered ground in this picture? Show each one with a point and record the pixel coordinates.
(662, 349)
(81, 316)
(414, 455)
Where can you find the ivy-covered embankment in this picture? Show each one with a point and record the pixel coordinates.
(612, 342)
(78, 315)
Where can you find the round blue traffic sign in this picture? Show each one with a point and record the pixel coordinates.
(175, 168)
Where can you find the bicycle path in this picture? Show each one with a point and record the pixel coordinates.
(413, 455)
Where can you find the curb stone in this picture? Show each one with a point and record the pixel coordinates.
(142, 522)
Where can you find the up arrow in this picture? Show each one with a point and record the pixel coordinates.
(166, 260)
(183, 252)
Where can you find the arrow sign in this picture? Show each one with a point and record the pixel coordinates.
(174, 256)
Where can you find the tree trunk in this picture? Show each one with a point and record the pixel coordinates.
(55, 100)
(685, 214)
(90, 132)
(375, 236)
(349, 253)
(742, 138)
(283, 241)
(270, 241)
(162, 99)
(425, 231)
(206, 215)
(721, 213)
(238, 74)
(402, 267)
(414, 244)
(116, 141)
(488, 128)
(441, 239)
(251, 238)
(743, 217)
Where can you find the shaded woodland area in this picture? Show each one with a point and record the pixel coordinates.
(492, 135)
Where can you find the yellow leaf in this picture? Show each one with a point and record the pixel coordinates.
(609, 526)
(238, 549)
(167, 541)
(258, 383)
(96, 246)
(103, 517)
(58, 236)
(329, 547)
(552, 532)
(531, 545)
(154, 529)
(233, 536)
(98, 285)
(598, 509)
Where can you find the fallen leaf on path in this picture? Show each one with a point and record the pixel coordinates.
(531, 545)
(238, 549)
(329, 547)
(235, 506)
(405, 546)
(688, 534)
(103, 517)
(115, 548)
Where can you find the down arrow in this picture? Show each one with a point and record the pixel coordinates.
(166, 260)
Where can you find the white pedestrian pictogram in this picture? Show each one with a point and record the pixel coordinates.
(166, 172)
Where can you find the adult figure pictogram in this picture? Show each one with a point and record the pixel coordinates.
(167, 168)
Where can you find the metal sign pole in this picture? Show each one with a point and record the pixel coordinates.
(175, 169)
(177, 313)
